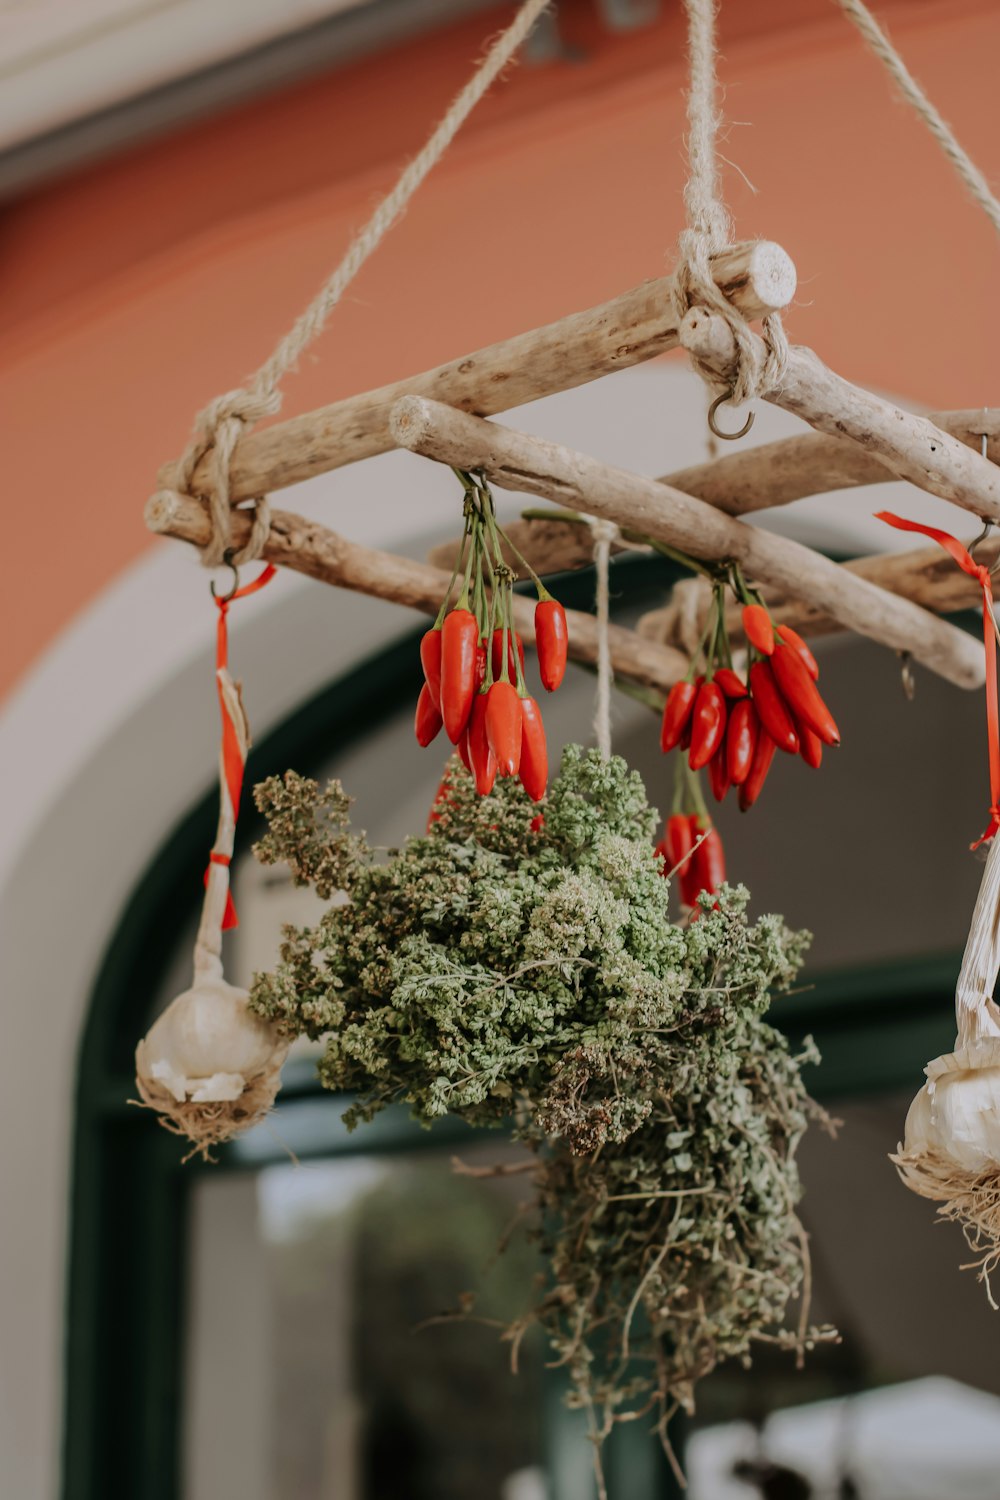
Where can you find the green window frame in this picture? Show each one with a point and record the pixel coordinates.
(126, 1292)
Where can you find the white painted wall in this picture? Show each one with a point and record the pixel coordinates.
(113, 737)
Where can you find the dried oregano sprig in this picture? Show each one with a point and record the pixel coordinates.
(504, 974)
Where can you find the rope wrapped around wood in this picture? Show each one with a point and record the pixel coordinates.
(709, 228)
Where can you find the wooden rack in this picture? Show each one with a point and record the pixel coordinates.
(859, 439)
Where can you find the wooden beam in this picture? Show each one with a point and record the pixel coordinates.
(910, 447)
(638, 325)
(515, 461)
(306, 547)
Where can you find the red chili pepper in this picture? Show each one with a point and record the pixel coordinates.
(430, 660)
(802, 695)
(441, 795)
(503, 726)
(534, 768)
(719, 778)
(459, 640)
(762, 758)
(772, 709)
(537, 823)
(677, 713)
(792, 638)
(427, 722)
(463, 749)
(730, 682)
(497, 653)
(810, 747)
(677, 841)
(758, 627)
(551, 642)
(708, 725)
(741, 740)
(687, 875)
(482, 761)
(709, 862)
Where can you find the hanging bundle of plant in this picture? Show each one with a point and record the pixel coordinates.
(512, 970)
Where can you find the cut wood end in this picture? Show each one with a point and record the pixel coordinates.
(758, 277)
(410, 421)
(709, 338)
(161, 511)
(772, 275)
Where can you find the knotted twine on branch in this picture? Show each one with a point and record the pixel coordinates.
(709, 228)
(219, 427)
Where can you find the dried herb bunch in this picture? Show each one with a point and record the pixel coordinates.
(506, 972)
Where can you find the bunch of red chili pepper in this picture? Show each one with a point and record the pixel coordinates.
(734, 726)
(473, 659)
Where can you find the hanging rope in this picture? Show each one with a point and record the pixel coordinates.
(604, 533)
(223, 421)
(939, 128)
(709, 228)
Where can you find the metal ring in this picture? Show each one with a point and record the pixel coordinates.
(227, 562)
(730, 437)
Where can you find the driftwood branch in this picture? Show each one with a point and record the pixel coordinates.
(814, 464)
(640, 324)
(753, 479)
(308, 548)
(926, 575)
(910, 447)
(515, 461)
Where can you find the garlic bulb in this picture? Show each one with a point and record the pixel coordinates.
(207, 1046)
(208, 1065)
(951, 1145)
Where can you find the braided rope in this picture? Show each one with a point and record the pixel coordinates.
(912, 92)
(220, 425)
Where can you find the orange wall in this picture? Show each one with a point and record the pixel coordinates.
(135, 291)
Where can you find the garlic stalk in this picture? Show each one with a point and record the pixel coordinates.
(209, 1067)
(951, 1147)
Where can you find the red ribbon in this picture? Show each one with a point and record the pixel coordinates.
(981, 574)
(232, 755)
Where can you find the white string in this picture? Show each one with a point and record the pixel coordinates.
(223, 421)
(604, 533)
(911, 90)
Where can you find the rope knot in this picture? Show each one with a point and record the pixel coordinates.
(218, 429)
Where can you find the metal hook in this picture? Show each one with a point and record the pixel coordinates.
(730, 437)
(987, 528)
(906, 674)
(227, 561)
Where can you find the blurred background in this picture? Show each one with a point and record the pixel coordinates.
(177, 177)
